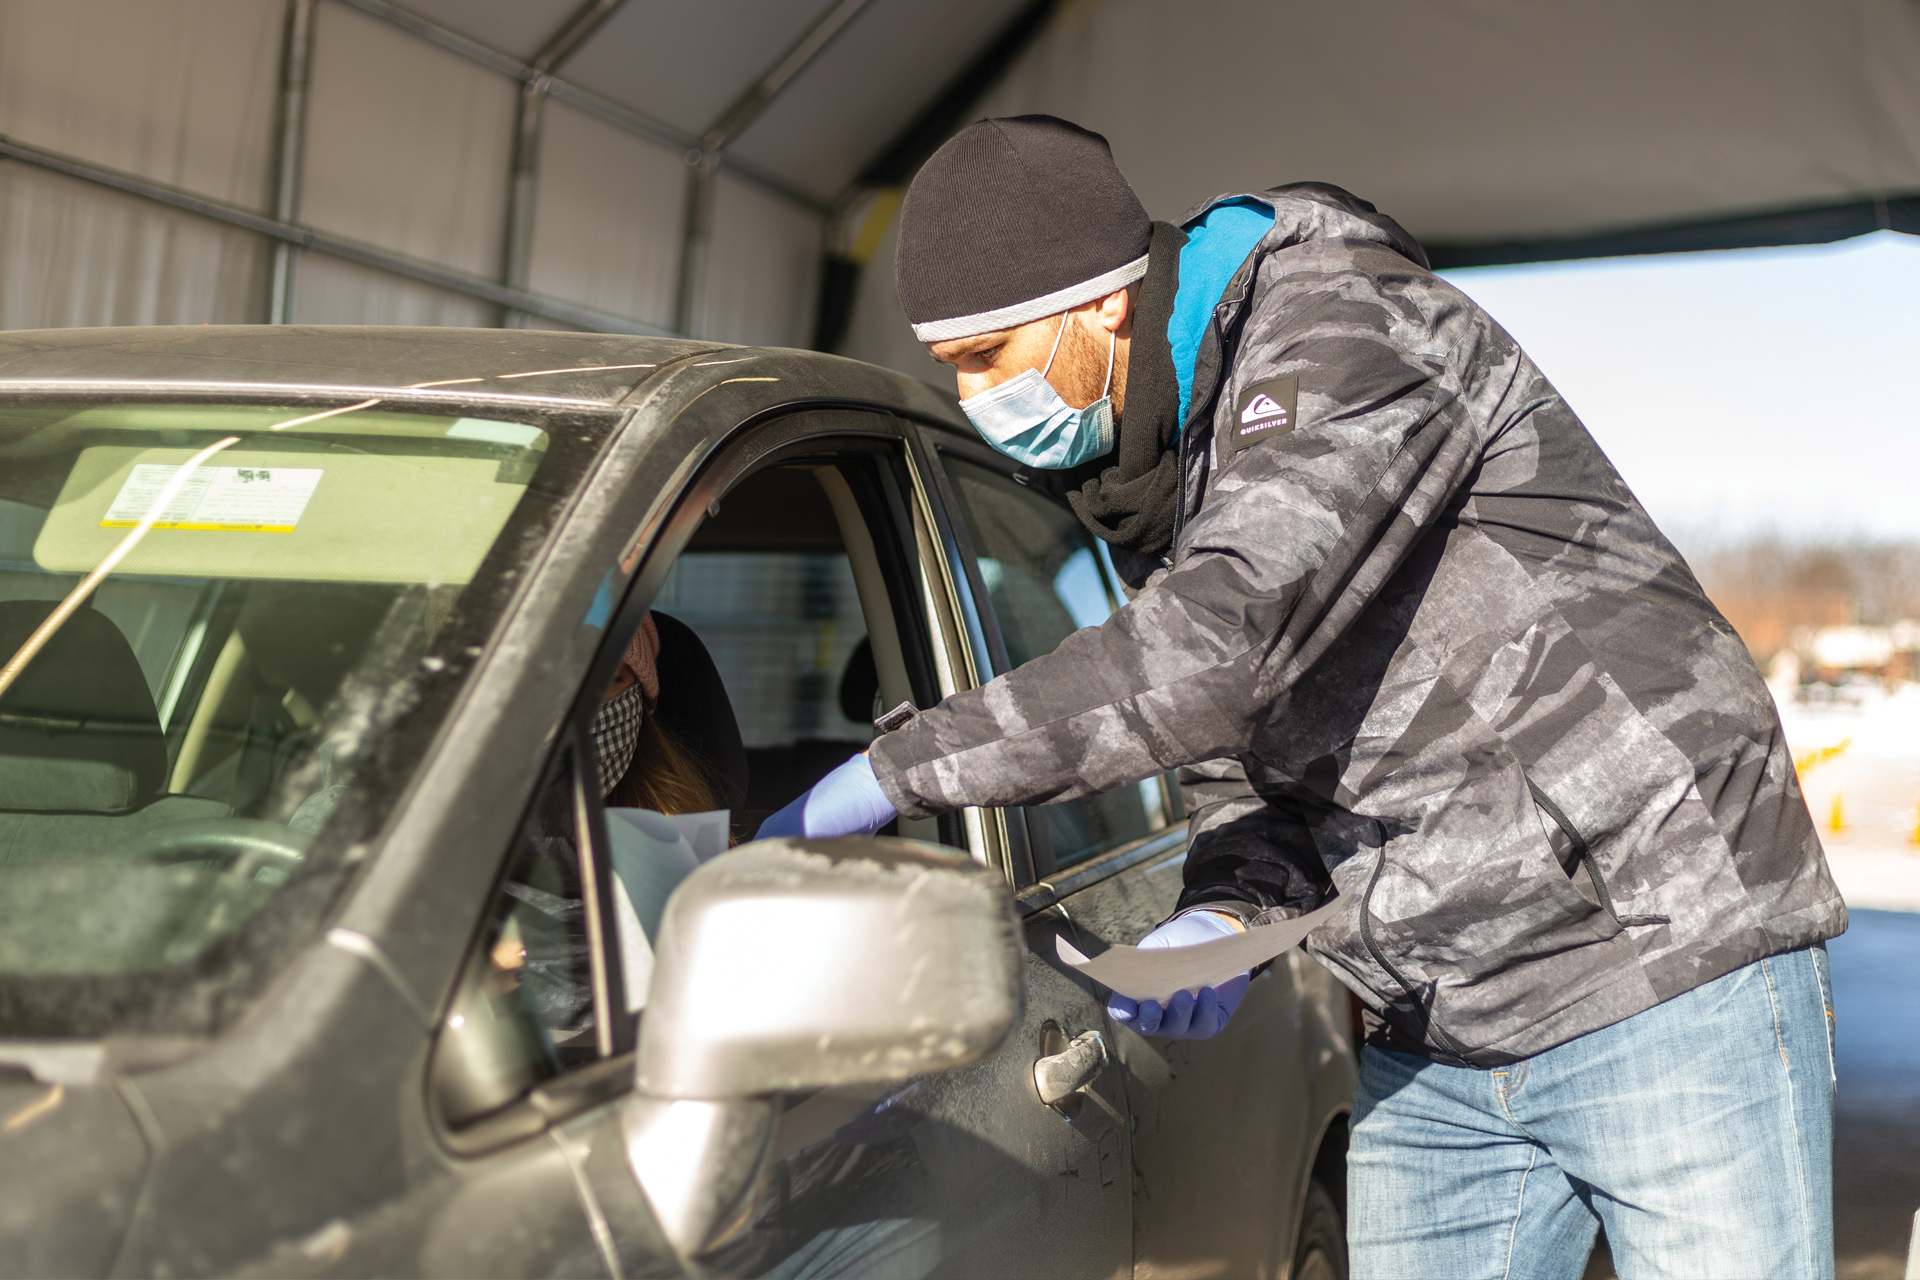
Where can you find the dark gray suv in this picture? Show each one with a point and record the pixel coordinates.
(325, 948)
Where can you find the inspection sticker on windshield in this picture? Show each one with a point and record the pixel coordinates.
(242, 499)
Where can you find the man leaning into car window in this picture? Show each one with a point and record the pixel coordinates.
(1418, 647)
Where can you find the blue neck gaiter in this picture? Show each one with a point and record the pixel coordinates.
(1218, 241)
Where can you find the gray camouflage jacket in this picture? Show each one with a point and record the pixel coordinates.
(1437, 656)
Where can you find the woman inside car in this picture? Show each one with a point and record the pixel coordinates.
(642, 764)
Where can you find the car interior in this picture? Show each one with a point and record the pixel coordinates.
(793, 619)
(166, 745)
(779, 644)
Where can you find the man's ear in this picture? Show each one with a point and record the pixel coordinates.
(1114, 311)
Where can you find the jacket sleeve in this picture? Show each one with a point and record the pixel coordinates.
(1247, 855)
(1297, 534)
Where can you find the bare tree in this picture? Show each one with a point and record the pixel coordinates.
(1770, 586)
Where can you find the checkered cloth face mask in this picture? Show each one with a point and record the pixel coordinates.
(616, 731)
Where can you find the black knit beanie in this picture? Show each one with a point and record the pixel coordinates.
(1012, 220)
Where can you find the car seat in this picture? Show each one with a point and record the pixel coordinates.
(694, 707)
(781, 773)
(860, 684)
(302, 640)
(82, 757)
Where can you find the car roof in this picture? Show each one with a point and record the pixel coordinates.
(534, 367)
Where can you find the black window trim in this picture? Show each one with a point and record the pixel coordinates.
(579, 1088)
(1155, 846)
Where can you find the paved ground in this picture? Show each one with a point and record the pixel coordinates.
(1861, 774)
(1860, 770)
(1876, 1168)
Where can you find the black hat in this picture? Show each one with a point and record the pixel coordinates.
(1015, 219)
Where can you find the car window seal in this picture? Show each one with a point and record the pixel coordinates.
(1035, 898)
(550, 1103)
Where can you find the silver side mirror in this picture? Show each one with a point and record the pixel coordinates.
(791, 965)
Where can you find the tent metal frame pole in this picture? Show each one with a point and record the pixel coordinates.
(523, 190)
(296, 73)
(309, 240)
(1772, 228)
(708, 156)
(523, 182)
(601, 108)
(696, 235)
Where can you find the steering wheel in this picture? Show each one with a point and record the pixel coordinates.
(247, 847)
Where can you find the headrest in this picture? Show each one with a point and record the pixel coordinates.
(310, 634)
(77, 730)
(694, 707)
(860, 684)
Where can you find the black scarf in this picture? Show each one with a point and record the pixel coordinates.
(1131, 502)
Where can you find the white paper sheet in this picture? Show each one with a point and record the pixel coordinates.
(652, 854)
(705, 833)
(1154, 973)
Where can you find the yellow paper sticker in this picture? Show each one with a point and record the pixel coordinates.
(236, 499)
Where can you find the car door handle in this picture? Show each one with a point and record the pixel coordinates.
(1058, 1076)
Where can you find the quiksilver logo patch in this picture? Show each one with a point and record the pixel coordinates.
(1266, 409)
(1263, 407)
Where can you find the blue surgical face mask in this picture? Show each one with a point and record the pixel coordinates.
(1025, 418)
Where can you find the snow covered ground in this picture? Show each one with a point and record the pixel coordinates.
(1859, 756)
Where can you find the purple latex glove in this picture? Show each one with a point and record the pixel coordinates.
(1186, 1016)
(847, 802)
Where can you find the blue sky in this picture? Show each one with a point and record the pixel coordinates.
(1739, 392)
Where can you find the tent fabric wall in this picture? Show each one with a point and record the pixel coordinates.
(407, 145)
(1477, 121)
(407, 148)
(72, 254)
(879, 332)
(178, 91)
(763, 268)
(606, 226)
(329, 291)
(1474, 122)
(174, 93)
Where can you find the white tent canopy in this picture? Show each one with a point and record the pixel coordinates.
(662, 165)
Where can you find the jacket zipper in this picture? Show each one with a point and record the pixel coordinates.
(1180, 490)
(1584, 852)
(1446, 1041)
(1186, 434)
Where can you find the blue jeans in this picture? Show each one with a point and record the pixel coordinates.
(1700, 1132)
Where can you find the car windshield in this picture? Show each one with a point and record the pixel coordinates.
(227, 633)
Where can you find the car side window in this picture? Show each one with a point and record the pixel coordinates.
(795, 591)
(1046, 578)
(526, 1009)
(780, 630)
(768, 586)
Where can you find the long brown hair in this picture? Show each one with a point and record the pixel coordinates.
(664, 776)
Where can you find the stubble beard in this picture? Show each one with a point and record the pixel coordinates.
(1082, 366)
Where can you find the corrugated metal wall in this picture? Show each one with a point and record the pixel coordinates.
(408, 148)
